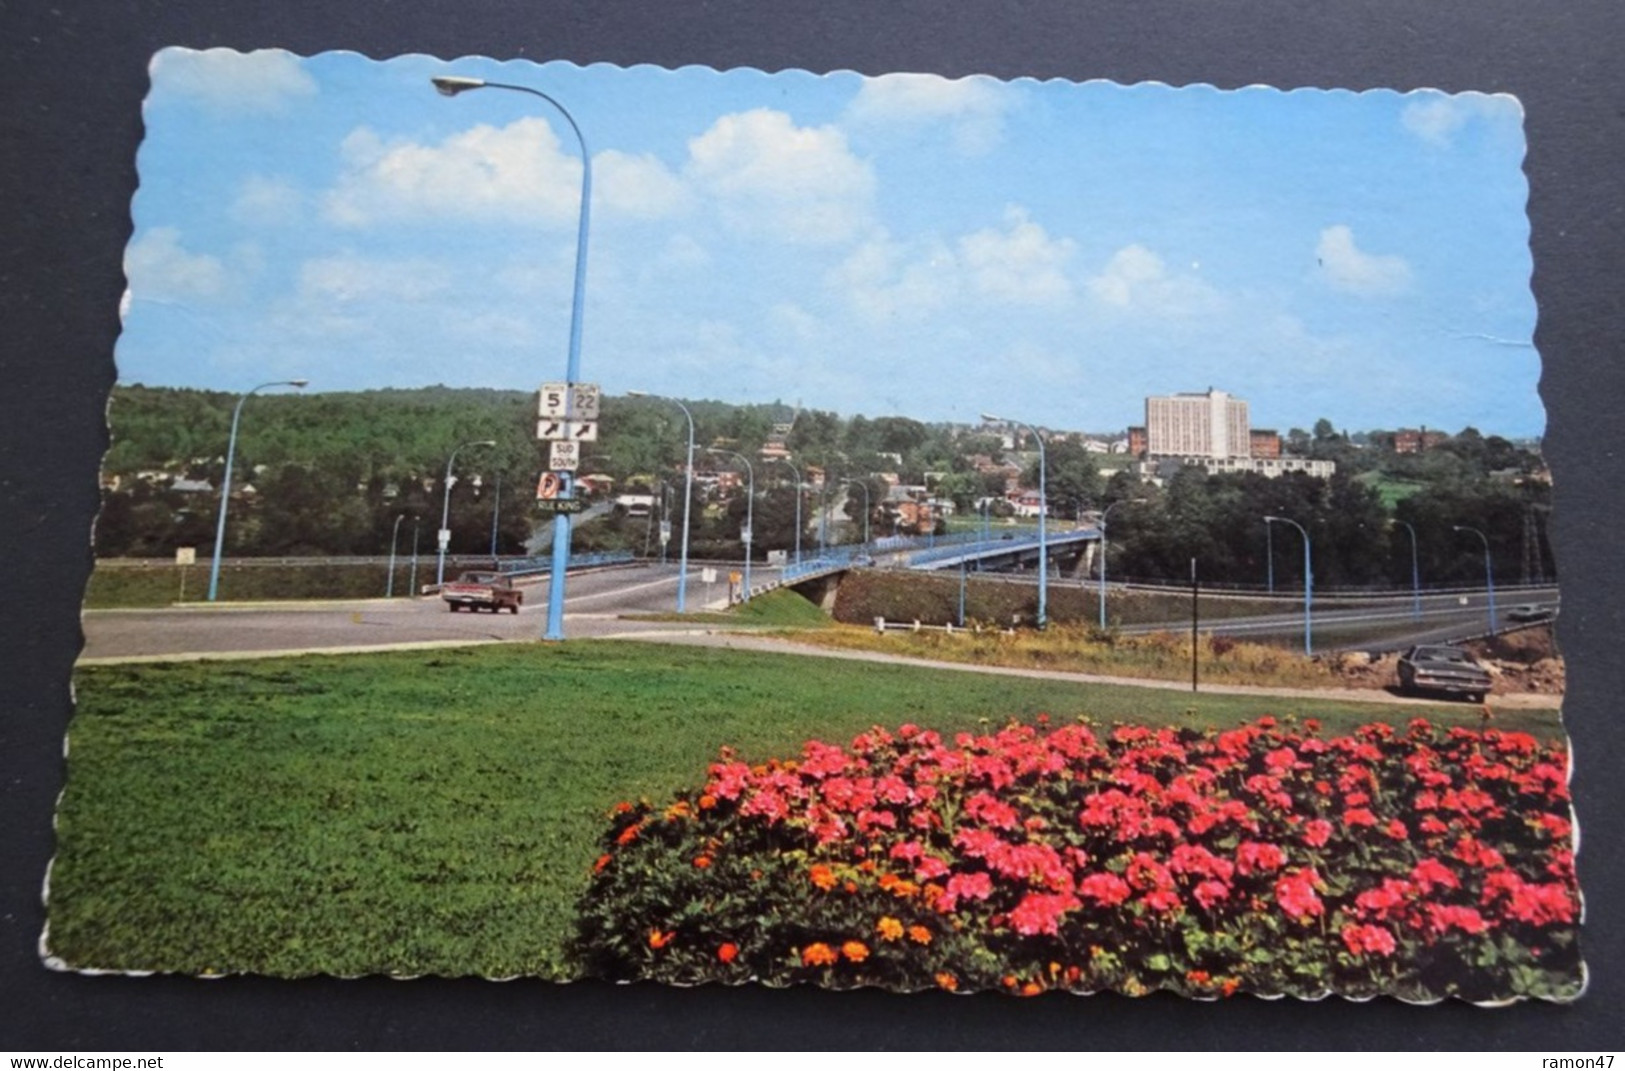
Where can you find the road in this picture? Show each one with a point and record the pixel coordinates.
(593, 601)
(1379, 623)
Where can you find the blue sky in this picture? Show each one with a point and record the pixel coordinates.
(1050, 251)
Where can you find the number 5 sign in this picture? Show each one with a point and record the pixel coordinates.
(553, 400)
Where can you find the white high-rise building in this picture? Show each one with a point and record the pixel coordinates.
(1211, 424)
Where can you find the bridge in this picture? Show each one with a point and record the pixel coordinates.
(928, 553)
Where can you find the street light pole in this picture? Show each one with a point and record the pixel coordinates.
(1269, 557)
(415, 522)
(496, 514)
(786, 463)
(688, 500)
(389, 588)
(1489, 570)
(225, 482)
(443, 537)
(450, 86)
(1416, 574)
(1043, 508)
(1107, 512)
(1308, 581)
(750, 510)
(864, 486)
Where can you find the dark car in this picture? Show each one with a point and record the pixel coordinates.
(1446, 670)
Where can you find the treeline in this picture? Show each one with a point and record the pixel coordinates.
(332, 473)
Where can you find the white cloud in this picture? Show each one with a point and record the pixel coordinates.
(1136, 279)
(347, 279)
(1346, 267)
(769, 176)
(266, 201)
(973, 108)
(1021, 263)
(224, 80)
(522, 172)
(885, 281)
(517, 172)
(639, 187)
(1436, 118)
(159, 269)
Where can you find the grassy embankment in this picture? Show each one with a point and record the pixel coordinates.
(438, 812)
(163, 583)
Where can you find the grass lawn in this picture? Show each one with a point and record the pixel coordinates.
(438, 812)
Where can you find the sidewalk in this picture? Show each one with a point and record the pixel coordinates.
(738, 641)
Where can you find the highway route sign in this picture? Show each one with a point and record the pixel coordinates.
(564, 456)
(568, 400)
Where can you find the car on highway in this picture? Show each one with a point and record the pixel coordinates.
(1529, 613)
(1440, 669)
(482, 591)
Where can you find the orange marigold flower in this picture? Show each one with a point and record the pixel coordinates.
(947, 981)
(707, 802)
(659, 940)
(850, 886)
(727, 951)
(919, 935)
(1009, 981)
(628, 835)
(904, 888)
(702, 861)
(890, 929)
(856, 951)
(822, 876)
(1031, 989)
(603, 861)
(680, 809)
(622, 807)
(887, 880)
(818, 954)
(1229, 986)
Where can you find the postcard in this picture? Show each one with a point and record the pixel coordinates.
(736, 527)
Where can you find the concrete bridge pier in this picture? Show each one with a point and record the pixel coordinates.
(819, 590)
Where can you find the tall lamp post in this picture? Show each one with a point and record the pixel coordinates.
(496, 515)
(225, 482)
(1105, 514)
(864, 486)
(1269, 557)
(394, 535)
(451, 85)
(1308, 581)
(415, 523)
(1043, 508)
(750, 510)
(786, 463)
(688, 499)
(443, 537)
(1489, 571)
(1416, 574)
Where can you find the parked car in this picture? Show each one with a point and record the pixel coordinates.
(1447, 670)
(1529, 612)
(482, 591)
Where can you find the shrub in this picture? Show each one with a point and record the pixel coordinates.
(1423, 863)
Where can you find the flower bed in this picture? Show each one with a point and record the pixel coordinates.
(1422, 863)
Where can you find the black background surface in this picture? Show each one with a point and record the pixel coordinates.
(72, 79)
